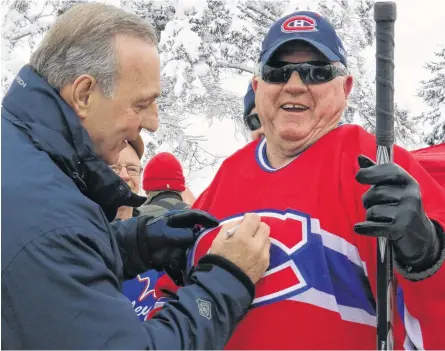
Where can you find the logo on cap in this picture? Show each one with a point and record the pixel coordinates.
(299, 23)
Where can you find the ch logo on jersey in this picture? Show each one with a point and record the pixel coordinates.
(299, 23)
(289, 235)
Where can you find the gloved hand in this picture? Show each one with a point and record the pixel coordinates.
(164, 240)
(394, 210)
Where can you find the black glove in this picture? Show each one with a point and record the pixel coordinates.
(394, 210)
(164, 240)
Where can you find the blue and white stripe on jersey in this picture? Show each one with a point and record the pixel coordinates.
(328, 270)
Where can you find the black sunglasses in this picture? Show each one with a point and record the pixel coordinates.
(314, 72)
(252, 121)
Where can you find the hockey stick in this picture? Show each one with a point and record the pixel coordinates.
(384, 15)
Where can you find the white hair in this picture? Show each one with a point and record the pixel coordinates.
(82, 42)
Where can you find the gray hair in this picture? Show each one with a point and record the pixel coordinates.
(81, 41)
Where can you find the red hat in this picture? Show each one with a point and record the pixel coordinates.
(163, 172)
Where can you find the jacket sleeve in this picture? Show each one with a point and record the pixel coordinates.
(125, 233)
(420, 297)
(60, 292)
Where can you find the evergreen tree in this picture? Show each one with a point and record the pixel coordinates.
(432, 91)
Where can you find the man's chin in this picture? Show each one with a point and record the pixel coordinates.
(293, 134)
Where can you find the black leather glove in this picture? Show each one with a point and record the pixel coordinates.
(164, 240)
(394, 210)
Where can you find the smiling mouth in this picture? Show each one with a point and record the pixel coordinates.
(294, 108)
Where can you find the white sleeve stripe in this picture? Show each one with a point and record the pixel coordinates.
(407, 344)
(324, 300)
(338, 244)
(413, 330)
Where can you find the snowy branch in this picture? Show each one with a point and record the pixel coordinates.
(252, 15)
(22, 34)
(262, 12)
(34, 18)
(236, 66)
(31, 29)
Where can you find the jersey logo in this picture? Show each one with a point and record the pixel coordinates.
(140, 291)
(289, 235)
(299, 23)
(147, 291)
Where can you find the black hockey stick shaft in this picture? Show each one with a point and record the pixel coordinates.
(385, 15)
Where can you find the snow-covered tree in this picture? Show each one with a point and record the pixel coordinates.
(209, 38)
(24, 23)
(432, 91)
(202, 42)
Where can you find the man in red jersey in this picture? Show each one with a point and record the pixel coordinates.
(309, 179)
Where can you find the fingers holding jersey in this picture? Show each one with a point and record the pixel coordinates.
(249, 246)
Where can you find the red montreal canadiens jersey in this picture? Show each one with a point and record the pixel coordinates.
(318, 292)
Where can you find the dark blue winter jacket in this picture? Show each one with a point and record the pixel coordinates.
(63, 263)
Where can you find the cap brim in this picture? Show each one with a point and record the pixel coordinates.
(328, 53)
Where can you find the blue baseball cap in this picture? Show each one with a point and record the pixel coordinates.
(249, 100)
(306, 26)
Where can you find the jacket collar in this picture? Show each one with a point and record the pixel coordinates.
(54, 128)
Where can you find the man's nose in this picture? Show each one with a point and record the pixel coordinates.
(149, 120)
(295, 84)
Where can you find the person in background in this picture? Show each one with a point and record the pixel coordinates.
(140, 290)
(164, 183)
(250, 116)
(129, 169)
(188, 197)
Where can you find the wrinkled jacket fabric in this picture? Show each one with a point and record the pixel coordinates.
(63, 262)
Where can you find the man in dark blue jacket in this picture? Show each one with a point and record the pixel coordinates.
(91, 85)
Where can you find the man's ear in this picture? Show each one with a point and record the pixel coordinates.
(81, 94)
(348, 85)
